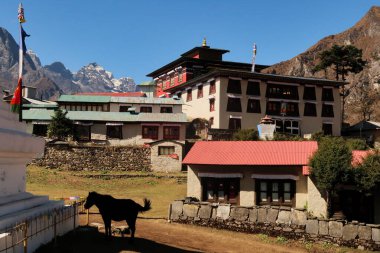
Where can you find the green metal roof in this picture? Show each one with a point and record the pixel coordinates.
(110, 99)
(40, 106)
(107, 116)
(84, 99)
(147, 83)
(147, 100)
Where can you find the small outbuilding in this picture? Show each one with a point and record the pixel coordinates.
(248, 173)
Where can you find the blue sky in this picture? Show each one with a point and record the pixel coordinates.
(133, 38)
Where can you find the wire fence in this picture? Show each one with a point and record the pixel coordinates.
(29, 234)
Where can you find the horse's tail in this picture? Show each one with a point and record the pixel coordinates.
(146, 207)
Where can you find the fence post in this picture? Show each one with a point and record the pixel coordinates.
(88, 217)
(26, 237)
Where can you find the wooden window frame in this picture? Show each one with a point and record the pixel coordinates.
(212, 87)
(200, 91)
(171, 136)
(210, 184)
(166, 109)
(253, 88)
(253, 106)
(310, 110)
(234, 105)
(282, 91)
(281, 192)
(212, 104)
(234, 124)
(120, 135)
(170, 149)
(327, 131)
(189, 95)
(234, 86)
(146, 109)
(309, 93)
(327, 94)
(151, 134)
(327, 111)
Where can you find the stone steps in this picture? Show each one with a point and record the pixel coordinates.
(14, 209)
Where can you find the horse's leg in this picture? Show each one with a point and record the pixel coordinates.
(132, 226)
(107, 226)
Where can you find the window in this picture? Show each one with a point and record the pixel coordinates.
(234, 124)
(327, 94)
(124, 108)
(200, 91)
(83, 133)
(172, 81)
(234, 86)
(233, 105)
(282, 91)
(253, 106)
(171, 132)
(40, 130)
(166, 110)
(275, 192)
(212, 105)
(212, 88)
(150, 132)
(147, 109)
(180, 75)
(287, 126)
(327, 110)
(310, 109)
(189, 95)
(282, 108)
(166, 150)
(114, 132)
(223, 190)
(253, 88)
(327, 129)
(309, 93)
(211, 121)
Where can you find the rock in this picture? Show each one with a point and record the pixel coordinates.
(253, 215)
(298, 217)
(176, 212)
(205, 212)
(190, 210)
(283, 217)
(261, 215)
(376, 234)
(365, 233)
(323, 227)
(272, 215)
(350, 232)
(312, 227)
(335, 229)
(239, 213)
(223, 212)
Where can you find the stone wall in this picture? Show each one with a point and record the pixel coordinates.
(277, 221)
(129, 158)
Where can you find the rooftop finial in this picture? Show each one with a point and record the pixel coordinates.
(204, 43)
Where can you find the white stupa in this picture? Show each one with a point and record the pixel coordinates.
(17, 148)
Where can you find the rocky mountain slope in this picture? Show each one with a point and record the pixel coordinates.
(365, 35)
(54, 79)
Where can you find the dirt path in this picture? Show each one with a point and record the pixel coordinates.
(161, 236)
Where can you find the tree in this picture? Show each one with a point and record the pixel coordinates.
(246, 135)
(365, 98)
(60, 127)
(368, 173)
(343, 59)
(329, 166)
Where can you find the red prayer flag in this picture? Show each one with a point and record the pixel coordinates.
(16, 100)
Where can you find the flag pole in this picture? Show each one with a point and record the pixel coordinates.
(254, 57)
(20, 70)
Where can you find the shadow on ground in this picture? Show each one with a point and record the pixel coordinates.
(88, 239)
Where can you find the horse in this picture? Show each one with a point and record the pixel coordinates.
(117, 210)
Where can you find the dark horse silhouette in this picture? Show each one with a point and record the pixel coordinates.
(117, 210)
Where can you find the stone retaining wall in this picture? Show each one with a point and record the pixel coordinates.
(128, 158)
(277, 221)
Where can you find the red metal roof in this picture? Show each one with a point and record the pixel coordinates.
(113, 94)
(251, 152)
(359, 155)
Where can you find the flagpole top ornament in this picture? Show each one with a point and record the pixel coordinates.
(204, 43)
(21, 17)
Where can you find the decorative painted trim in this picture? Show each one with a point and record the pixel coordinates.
(114, 124)
(211, 96)
(328, 103)
(230, 95)
(310, 85)
(235, 78)
(210, 80)
(328, 122)
(199, 84)
(266, 176)
(81, 123)
(283, 100)
(282, 83)
(220, 175)
(149, 124)
(310, 101)
(254, 97)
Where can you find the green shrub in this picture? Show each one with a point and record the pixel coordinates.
(246, 135)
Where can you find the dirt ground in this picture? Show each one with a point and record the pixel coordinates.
(157, 235)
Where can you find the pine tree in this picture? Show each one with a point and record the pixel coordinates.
(60, 127)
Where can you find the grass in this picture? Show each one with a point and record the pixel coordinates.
(157, 187)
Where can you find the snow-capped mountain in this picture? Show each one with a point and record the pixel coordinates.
(54, 79)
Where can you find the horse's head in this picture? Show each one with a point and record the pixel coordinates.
(90, 200)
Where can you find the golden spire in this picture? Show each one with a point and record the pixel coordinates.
(204, 43)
